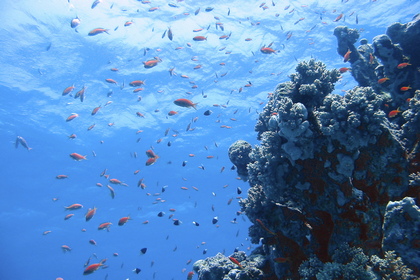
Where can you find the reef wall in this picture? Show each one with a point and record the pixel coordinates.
(334, 183)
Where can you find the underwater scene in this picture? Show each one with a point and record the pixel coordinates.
(211, 140)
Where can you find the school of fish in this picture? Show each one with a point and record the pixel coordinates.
(191, 103)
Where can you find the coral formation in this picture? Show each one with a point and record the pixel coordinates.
(239, 156)
(334, 179)
(402, 229)
(221, 267)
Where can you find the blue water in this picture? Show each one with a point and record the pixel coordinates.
(42, 55)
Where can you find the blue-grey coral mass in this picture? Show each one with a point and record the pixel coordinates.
(334, 183)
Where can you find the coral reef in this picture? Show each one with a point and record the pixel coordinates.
(352, 263)
(389, 64)
(334, 181)
(221, 267)
(402, 229)
(239, 156)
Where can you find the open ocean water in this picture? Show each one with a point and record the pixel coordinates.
(192, 179)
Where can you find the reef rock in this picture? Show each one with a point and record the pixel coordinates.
(334, 174)
(408, 37)
(239, 156)
(389, 64)
(221, 267)
(401, 217)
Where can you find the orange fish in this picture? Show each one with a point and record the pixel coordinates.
(340, 16)
(138, 89)
(90, 128)
(383, 80)
(72, 136)
(123, 220)
(151, 161)
(93, 242)
(128, 23)
(68, 216)
(403, 65)
(111, 81)
(344, 69)
(235, 261)
(104, 226)
(150, 63)
(264, 227)
(347, 56)
(405, 88)
(97, 31)
(190, 275)
(77, 156)
(93, 267)
(90, 213)
(150, 154)
(371, 59)
(394, 113)
(199, 38)
(95, 110)
(267, 50)
(115, 181)
(185, 103)
(72, 117)
(68, 90)
(139, 114)
(80, 94)
(171, 113)
(74, 206)
(137, 83)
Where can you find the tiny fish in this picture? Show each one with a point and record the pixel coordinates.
(97, 31)
(22, 141)
(75, 22)
(170, 34)
(95, 3)
(182, 102)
